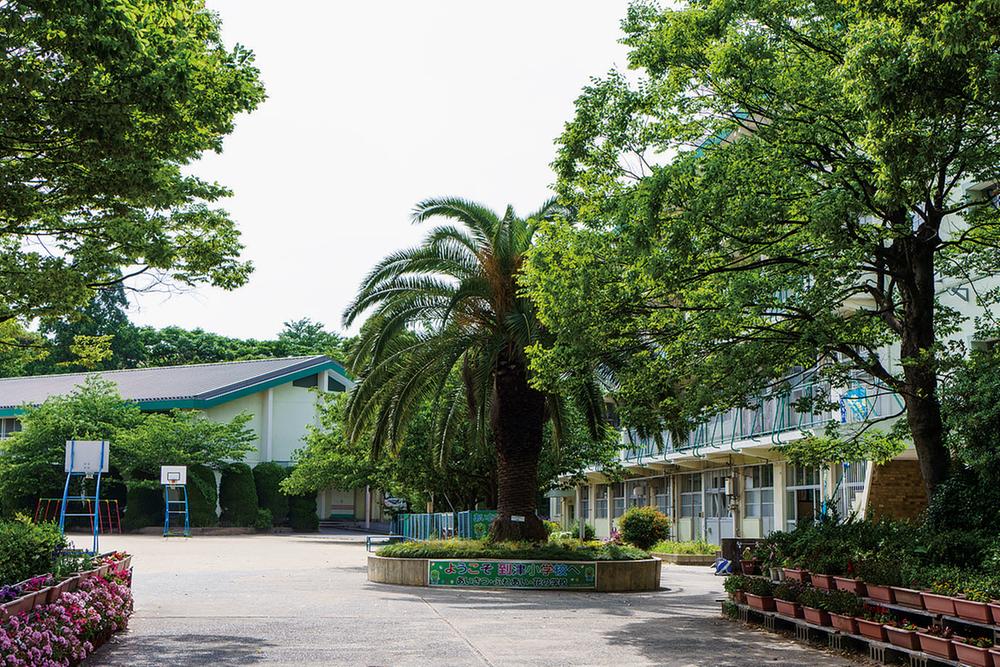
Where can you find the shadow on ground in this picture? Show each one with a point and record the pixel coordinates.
(186, 649)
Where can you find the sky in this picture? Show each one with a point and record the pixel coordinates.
(371, 108)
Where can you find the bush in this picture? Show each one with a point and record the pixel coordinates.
(554, 550)
(736, 582)
(789, 591)
(264, 521)
(27, 549)
(203, 496)
(699, 547)
(552, 527)
(644, 526)
(588, 531)
(760, 586)
(143, 507)
(267, 478)
(302, 513)
(237, 496)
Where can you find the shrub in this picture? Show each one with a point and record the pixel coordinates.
(588, 531)
(237, 496)
(27, 549)
(815, 598)
(760, 586)
(143, 507)
(302, 513)
(203, 496)
(264, 522)
(736, 582)
(789, 591)
(552, 527)
(644, 526)
(698, 547)
(845, 603)
(554, 550)
(266, 478)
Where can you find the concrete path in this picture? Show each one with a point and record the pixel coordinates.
(305, 600)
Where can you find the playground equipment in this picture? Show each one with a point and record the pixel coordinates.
(175, 478)
(108, 511)
(86, 459)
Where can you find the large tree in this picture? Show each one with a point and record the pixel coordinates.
(785, 186)
(103, 104)
(452, 306)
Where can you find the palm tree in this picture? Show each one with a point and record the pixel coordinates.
(449, 307)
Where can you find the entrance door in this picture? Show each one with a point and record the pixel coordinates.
(718, 516)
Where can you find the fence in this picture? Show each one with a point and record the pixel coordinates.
(443, 525)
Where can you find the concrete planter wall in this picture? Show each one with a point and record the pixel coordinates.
(687, 559)
(612, 576)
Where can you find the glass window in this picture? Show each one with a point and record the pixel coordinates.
(585, 502)
(852, 483)
(802, 500)
(601, 502)
(619, 498)
(691, 495)
(758, 491)
(662, 488)
(557, 507)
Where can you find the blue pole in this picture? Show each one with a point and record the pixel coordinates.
(97, 502)
(69, 475)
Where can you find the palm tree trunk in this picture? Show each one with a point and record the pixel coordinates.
(517, 417)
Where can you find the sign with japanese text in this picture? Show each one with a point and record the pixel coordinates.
(481, 520)
(512, 574)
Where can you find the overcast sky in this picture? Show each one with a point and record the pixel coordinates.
(372, 107)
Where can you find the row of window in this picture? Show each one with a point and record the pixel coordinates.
(9, 425)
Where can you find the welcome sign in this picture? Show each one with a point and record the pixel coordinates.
(567, 575)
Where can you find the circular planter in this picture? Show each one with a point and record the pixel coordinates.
(619, 576)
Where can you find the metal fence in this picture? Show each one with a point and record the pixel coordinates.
(443, 525)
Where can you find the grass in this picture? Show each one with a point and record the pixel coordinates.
(552, 550)
(699, 547)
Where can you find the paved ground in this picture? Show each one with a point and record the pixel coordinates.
(304, 600)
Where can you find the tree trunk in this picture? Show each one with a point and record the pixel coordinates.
(919, 359)
(517, 417)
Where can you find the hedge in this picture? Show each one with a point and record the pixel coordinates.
(143, 507)
(203, 496)
(27, 549)
(302, 513)
(267, 477)
(237, 496)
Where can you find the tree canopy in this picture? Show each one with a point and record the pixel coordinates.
(103, 106)
(783, 187)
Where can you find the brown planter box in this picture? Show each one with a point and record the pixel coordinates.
(855, 586)
(816, 616)
(748, 566)
(939, 604)
(995, 656)
(902, 638)
(789, 609)
(871, 630)
(739, 597)
(21, 605)
(880, 593)
(843, 623)
(823, 581)
(995, 611)
(908, 597)
(972, 655)
(971, 610)
(761, 602)
(939, 646)
(40, 597)
(795, 574)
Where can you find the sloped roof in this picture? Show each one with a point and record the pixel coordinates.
(165, 387)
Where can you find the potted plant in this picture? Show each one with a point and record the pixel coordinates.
(937, 603)
(872, 619)
(974, 651)
(792, 572)
(879, 573)
(735, 585)
(974, 607)
(994, 606)
(902, 633)
(844, 607)
(908, 596)
(760, 593)
(748, 564)
(786, 599)
(936, 640)
(815, 605)
(849, 583)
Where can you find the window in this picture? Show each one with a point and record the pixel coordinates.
(585, 502)
(802, 501)
(852, 483)
(619, 498)
(663, 488)
(8, 426)
(715, 496)
(638, 493)
(758, 491)
(557, 507)
(601, 503)
(691, 495)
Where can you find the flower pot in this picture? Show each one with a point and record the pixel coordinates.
(776, 573)
(971, 610)
(761, 602)
(21, 605)
(972, 655)
(995, 656)
(908, 597)
(871, 630)
(939, 646)
(748, 566)
(855, 586)
(939, 604)
(880, 593)
(843, 623)
(994, 606)
(103, 570)
(823, 581)
(902, 638)
(126, 562)
(64, 586)
(789, 609)
(40, 597)
(816, 616)
(795, 574)
(739, 597)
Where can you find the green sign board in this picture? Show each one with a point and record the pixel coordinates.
(512, 574)
(481, 520)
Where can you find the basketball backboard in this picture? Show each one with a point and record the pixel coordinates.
(87, 456)
(173, 475)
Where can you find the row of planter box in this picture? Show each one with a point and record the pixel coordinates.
(970, 610)
(50, 594)
(912, 640)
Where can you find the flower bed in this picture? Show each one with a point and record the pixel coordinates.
(560, 550)
(66, 620)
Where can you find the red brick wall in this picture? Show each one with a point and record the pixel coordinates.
(897, 491)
